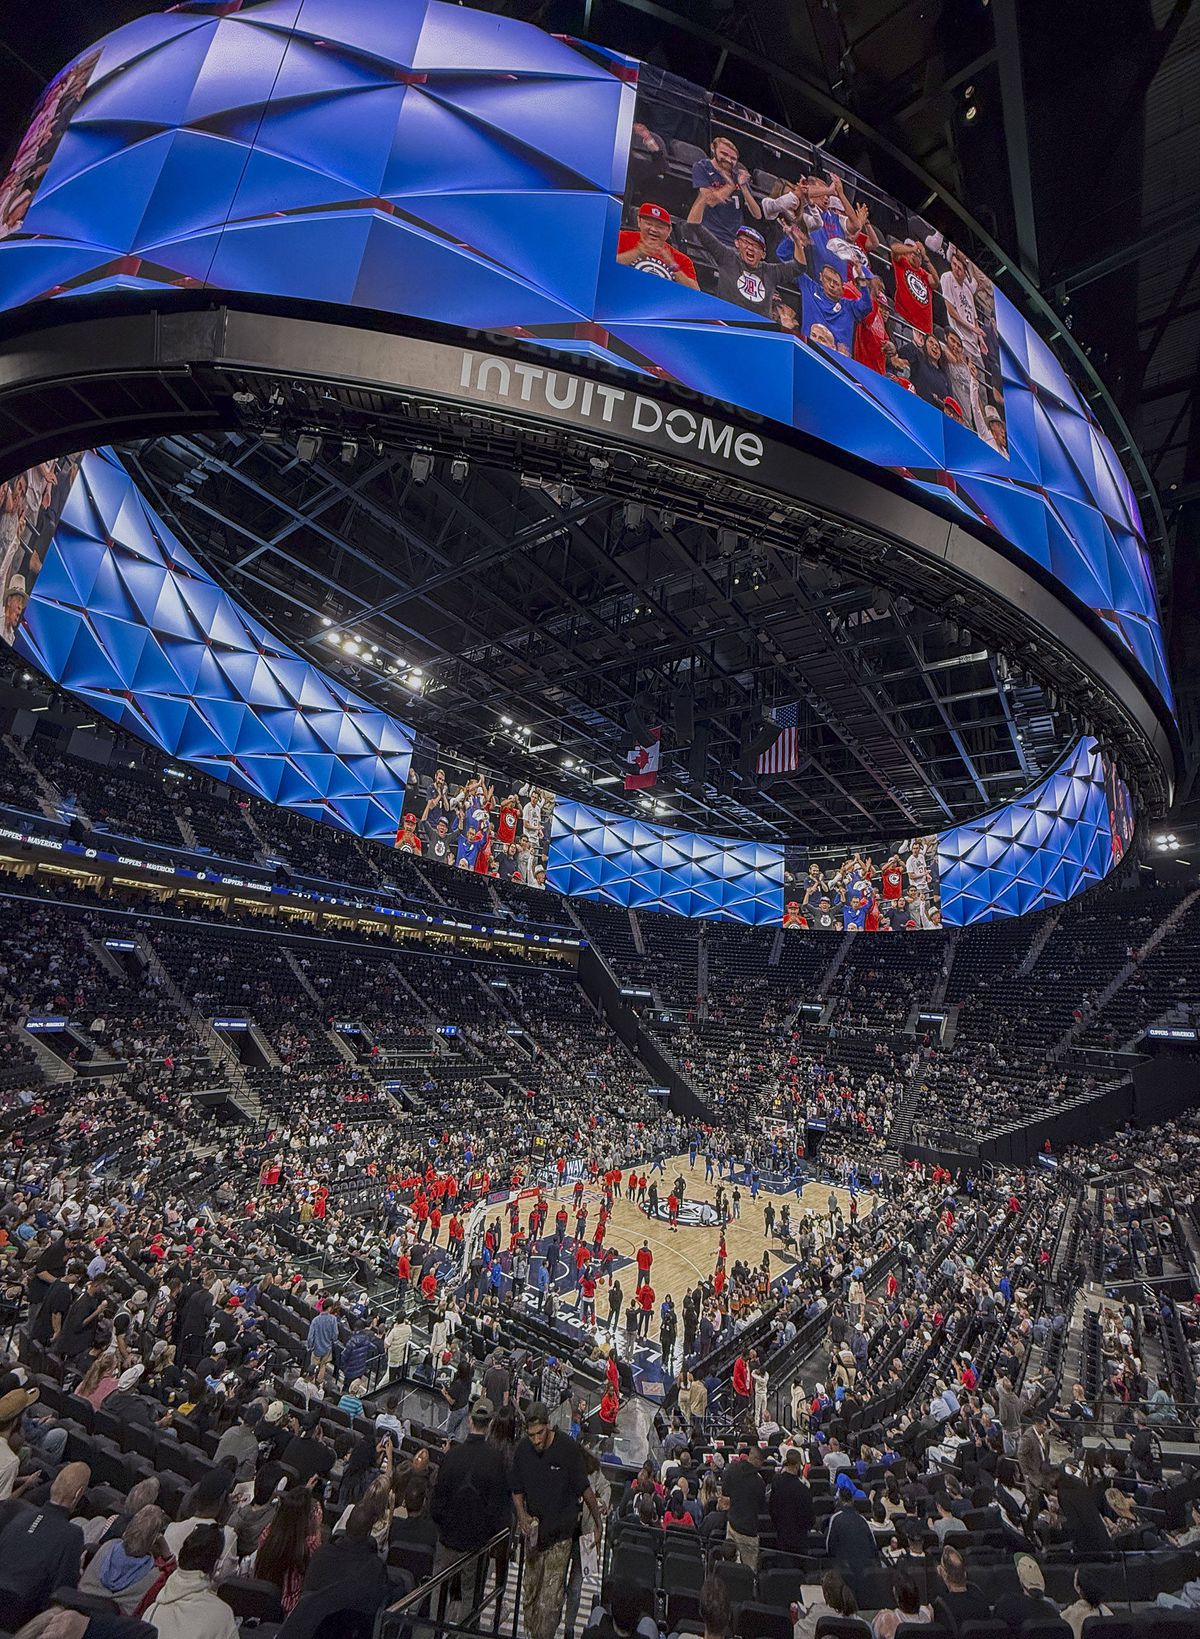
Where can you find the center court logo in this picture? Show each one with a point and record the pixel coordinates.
(698, 1214)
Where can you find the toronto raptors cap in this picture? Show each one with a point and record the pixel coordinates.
(751, 233)
(657, 213)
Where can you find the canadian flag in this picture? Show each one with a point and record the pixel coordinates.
(644, 761)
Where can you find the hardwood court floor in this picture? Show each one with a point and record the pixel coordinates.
(690, 1254)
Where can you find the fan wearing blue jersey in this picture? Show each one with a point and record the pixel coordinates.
(825, 302)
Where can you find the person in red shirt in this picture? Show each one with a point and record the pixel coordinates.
(581, 1218)
(741, 1386)
(560, 1166)
(673, 1212)
(454, 1232)
(719, 1282)
(645, 1302)
(610, 1405)
(587, 1291)
(648, 248)
(429, 1287)
(403, 1275)
(915, 284)
(616, 1181)
(871, 333)
(435, 1224)
(420, 1209)
(644, 1259)
(577, 1193)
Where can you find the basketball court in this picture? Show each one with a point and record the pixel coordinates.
(687, 1255)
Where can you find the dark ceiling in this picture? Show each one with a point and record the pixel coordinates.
(1069, 132)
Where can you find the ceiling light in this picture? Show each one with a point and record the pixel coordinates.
(414, 680)
(374, 648)
(349, 450)
(325, 621)
(607, 779)
(507, 722)
(459, 468)
(352, 647)
(546, 745)
(422, 466)
(308, 447)
(568, 762)
(335, 638)
(971, 112)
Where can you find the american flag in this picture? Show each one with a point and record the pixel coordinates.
(784, 755)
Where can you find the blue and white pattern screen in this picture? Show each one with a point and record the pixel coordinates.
(437, 163)
(122, 616)
(443, 164)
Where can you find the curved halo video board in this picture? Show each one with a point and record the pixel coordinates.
(434, 162)
(430, 163)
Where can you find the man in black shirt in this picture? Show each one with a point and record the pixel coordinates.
(53, 1308)
(549, 1480)
(79, 1327)
(958, 1601)
(743, 1484)
(791, 1505)
(40, 1550)
(308, 1452)
(346, 1574)
(195, 1315)
(471, 1499)
(49, 1267)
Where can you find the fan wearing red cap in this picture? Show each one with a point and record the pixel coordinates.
(407, 839)
(648, 248)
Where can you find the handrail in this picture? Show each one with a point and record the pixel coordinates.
(403, 1612)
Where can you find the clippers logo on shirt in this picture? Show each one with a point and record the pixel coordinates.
(917, 287)
(752, 286)
(656, 265)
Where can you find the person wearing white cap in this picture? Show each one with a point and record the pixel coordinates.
(15, 598)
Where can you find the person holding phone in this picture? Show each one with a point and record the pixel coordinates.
(549, 1482)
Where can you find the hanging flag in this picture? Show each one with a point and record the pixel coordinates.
(784, 754)
(644, 761)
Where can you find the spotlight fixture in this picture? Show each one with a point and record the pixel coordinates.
(308, 447)
(421, 466)
(459, 468)
(349, 451)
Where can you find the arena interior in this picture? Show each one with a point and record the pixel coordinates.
(600, 963)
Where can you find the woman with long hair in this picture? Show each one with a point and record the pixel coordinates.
(288, 1543)
(361, 1471)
